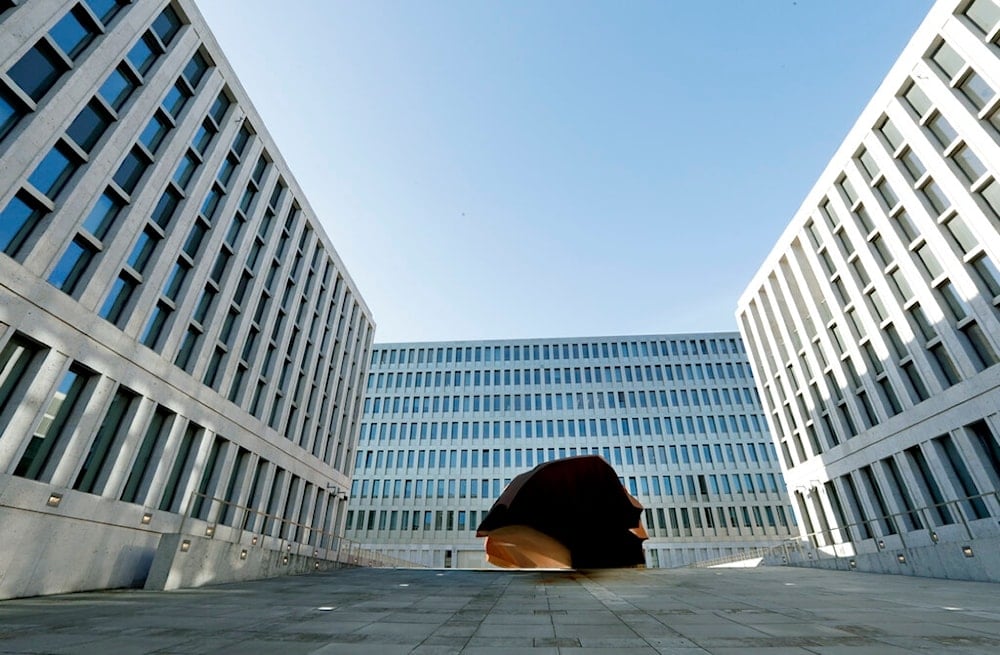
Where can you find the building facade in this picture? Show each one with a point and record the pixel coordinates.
(873, 327)
(447, 425)
(175, 326)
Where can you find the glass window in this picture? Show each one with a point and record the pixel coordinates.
(114, 306)
(195, 238)
(37, 70)
(154, 133)
(185, 170)
(103, 215)
(143, 250)
(241, 140)
(984, 14)
(17, 221)
(917, 100)
(11, 111)
(987, 273)
(195, 70)
(117, 88)
(53, 172)
(167, 24)
(71, 34)
(948, 60)
(144, 53)
(154, 328)
(176, 98)
(53, 427)
(956, 227)
(203, 137)
(219, 108)
(89, 126)
(104, 9)
(976, 89)
(165, 208)
(970, 165)
(942, 130)
(72, 265)
(912, 165)
(935, 196)
(891, 134)
(131, 170)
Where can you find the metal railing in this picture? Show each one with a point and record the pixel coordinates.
(962, 519)
(218, 518)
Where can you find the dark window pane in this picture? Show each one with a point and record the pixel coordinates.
(71, 266)
(185, 170)
(143, 251)
(195, 70)
(104, 9)
(240, 142)
(117, 88)
(195, 237)
(176, 99)
(89, 126)
(143, 53)
(37, 70)
(114, 306)
(17, 221)
(219, 108)
(165, 207)
(131, 170)
(167, 24)
(53, 172)
(154, 327)
(71, 34)
(103, 215)
(154, 133)
(10, 111)
(202, 138)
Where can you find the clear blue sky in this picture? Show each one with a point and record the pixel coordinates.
(557, 168)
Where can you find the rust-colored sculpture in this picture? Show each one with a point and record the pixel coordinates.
(567, 513)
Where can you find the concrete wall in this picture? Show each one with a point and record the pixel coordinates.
(940, 560)
(186, 560)
(84, 543)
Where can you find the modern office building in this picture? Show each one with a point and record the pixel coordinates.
(447, 425)
(175, 325)
(873, 326)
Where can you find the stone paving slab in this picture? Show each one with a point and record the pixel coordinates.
(767, 611)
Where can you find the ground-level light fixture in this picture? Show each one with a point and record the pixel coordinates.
(901, 558)
(54, 500)
(185, 545)
(243, 554)
(210, 531)
(967, 551)
(147, 518)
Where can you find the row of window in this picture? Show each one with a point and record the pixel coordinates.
(889, 374)
(43, 65)
(250, 366)
(910, 490)
(36, 74)
(643, 486)
(716, 521)
(750, 453)
(380, 405)
(141, 452)
(550, 376)
(383, 356)
(593, 427)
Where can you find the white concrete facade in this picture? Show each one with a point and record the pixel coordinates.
(447, 425)
(173, 319)
(873, 326)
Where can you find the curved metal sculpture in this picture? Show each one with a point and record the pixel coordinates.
(567, 513)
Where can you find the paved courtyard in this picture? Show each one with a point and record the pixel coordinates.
(774, 611)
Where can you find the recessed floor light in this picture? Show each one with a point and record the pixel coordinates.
(404, 584)
(952, 609)
(325, 609)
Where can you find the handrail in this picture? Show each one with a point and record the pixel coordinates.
(875, 529)
(890, 523)
(325, 545)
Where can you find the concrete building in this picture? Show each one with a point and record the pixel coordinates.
(873, 326)
(447, 425)
(175, 326)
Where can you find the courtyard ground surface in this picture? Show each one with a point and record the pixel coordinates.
(770, 611)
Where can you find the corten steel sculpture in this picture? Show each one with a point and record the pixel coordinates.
(567, 513)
